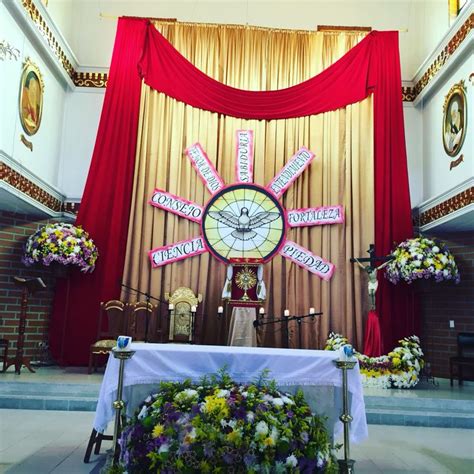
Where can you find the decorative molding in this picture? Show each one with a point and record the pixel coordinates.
(90, 79)
(408, 93)
(444, 208)
(447, 52)
(71, 207)
(47, 34)
(7, 51)
(28, 187)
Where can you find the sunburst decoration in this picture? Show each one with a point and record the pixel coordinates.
(245, 222)
(245, 280)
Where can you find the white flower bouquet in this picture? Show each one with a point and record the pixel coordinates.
(422, 258)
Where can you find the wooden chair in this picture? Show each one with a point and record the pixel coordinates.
(106, 339)
(140, 320)
(182, 323)
(4, 343)
(465, 357)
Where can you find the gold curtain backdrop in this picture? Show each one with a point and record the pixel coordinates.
(342, 173)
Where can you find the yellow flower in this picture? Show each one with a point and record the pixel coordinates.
(233, 436)
(217, 406)
(396, 361)
(268, 442)
(157, 430)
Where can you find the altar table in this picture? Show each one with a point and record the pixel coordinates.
(312, 371)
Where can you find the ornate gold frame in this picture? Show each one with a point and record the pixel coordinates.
(30, 70)
(458, 90)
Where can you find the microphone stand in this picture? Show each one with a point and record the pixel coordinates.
(285, 320)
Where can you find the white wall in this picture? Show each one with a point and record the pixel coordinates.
(437, 177)
(81, 120)
(414, 145)
(43, 161)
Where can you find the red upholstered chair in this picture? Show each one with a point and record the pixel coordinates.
(465, 357)
(116, 313)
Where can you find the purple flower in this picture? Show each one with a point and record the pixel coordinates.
(208, 451)
(290, 414)
(240, 413)
(249, 459)
(307, 465)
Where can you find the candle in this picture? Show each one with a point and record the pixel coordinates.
(220, 310)
(171, 307)
(312, 311)
(286, 313)
(261, 311)
(193, 309)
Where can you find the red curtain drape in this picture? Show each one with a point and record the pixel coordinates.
(140, 50)
(105, 205)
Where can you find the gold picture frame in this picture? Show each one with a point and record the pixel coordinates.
(31, 97)
(454, 119)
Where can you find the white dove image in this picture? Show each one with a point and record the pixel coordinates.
(244, 224)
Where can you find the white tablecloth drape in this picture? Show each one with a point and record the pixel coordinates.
(313, 371)
(241, 330)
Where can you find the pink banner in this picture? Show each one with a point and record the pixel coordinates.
(178, 251)
(315, 216)
(297, 164)
(176, 205)
(244, 156)
(205, 169)
(307, 260)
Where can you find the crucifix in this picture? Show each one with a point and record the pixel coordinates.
(372, 269)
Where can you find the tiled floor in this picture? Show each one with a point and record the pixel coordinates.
(37, 442)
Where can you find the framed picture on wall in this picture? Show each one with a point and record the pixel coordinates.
(454, 119)
(31, 97)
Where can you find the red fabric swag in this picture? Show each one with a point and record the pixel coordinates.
(140, 50)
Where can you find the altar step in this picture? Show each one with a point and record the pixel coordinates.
(49, 396)
(430, 412)
(406, 410)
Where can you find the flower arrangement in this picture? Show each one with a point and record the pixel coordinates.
(399, 368)
(218, 425)
(422, 258)
(62, 243)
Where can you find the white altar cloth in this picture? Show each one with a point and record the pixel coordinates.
(153, 363)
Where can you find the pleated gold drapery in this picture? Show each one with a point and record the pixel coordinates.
(342, 173)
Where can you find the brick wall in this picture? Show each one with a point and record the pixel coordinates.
(14, 229)
(442, 302)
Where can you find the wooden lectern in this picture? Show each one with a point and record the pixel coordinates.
(28, 288)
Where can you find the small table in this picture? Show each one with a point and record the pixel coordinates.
(241, 330)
